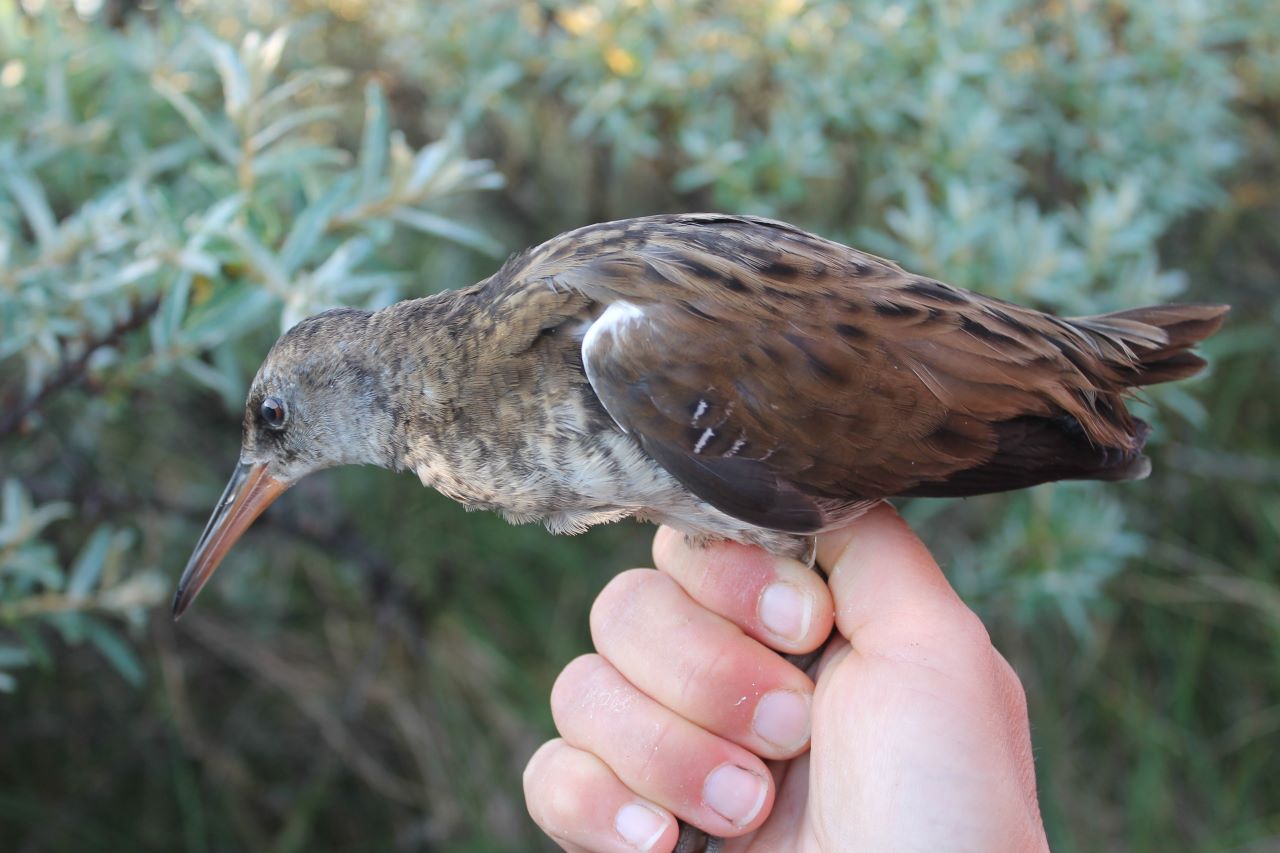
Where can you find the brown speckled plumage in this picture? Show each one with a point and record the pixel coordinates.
(786, 380)
(732, 376)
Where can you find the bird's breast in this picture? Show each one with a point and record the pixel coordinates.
(568, 480)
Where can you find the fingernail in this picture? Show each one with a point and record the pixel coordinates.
(785, 611)
(782, 718)
(639, 825)
(734, 793)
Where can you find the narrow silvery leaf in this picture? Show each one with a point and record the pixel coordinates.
(448, 229)
(16, 504)
(88, 564)
(195, 261)
(233, 311)
(258, 256)
(126, 275)
(173, 307)
(489, 180)
(235, 77)
(35, 207)
(44, 515)
(297, 307)
(164, 159)
(134, 593)
(196, 119)
(297, 83)
(55, 92)
(483, 93)
(373, 142)
(289, 122)
(291, 158)
(425, 167)
(268, 55)
(216, 380)
(216, 218)
(312, 224)
(14, 656)
(115, 650)
(34, 566)
(343, 260)
(352, 286)
(219, 381)
(402, 160)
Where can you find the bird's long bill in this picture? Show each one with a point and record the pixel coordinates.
(250, 491)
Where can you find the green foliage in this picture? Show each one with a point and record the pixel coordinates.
(371, 667)
(37, 587)
(203, 199)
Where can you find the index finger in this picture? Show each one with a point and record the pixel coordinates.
(778, 601)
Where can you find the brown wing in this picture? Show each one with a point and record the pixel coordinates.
(788, 379)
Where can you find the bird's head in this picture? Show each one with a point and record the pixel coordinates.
(318, 401)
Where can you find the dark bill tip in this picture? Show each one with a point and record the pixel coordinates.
(250, 491)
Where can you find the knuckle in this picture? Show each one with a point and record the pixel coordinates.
(1014, 692)
(572, 684)
(963, 626)
(538, 766)
(622, 598)
(570, 801)
(709, 667)
(653, 755)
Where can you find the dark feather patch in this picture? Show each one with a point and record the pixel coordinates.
(985, 332)
(1031, 451)
(744, 488)
(894, 309)
(930, 289)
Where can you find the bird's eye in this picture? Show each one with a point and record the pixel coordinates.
(273, 412)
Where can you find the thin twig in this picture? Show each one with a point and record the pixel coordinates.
(73, 370)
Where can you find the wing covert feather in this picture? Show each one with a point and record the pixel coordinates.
(788, 379)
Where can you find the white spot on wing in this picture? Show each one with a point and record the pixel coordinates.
(707, 435)
(615, 319)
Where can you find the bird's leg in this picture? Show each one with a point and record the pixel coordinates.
(810, 555)
(694, 840)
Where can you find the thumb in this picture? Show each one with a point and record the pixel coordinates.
(887, 587)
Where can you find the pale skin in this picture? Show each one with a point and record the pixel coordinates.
(915, 737)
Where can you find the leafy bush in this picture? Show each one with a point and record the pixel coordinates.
(203, 200)
(175, 188)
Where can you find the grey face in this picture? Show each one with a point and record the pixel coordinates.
(318, 400)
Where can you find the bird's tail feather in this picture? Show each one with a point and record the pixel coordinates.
(1157, 339)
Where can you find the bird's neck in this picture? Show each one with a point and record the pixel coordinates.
(427, 351)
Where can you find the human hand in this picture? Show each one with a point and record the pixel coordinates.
(920, 738)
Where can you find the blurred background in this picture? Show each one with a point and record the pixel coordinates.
(370, 668)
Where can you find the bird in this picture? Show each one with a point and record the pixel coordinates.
(732, 376)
